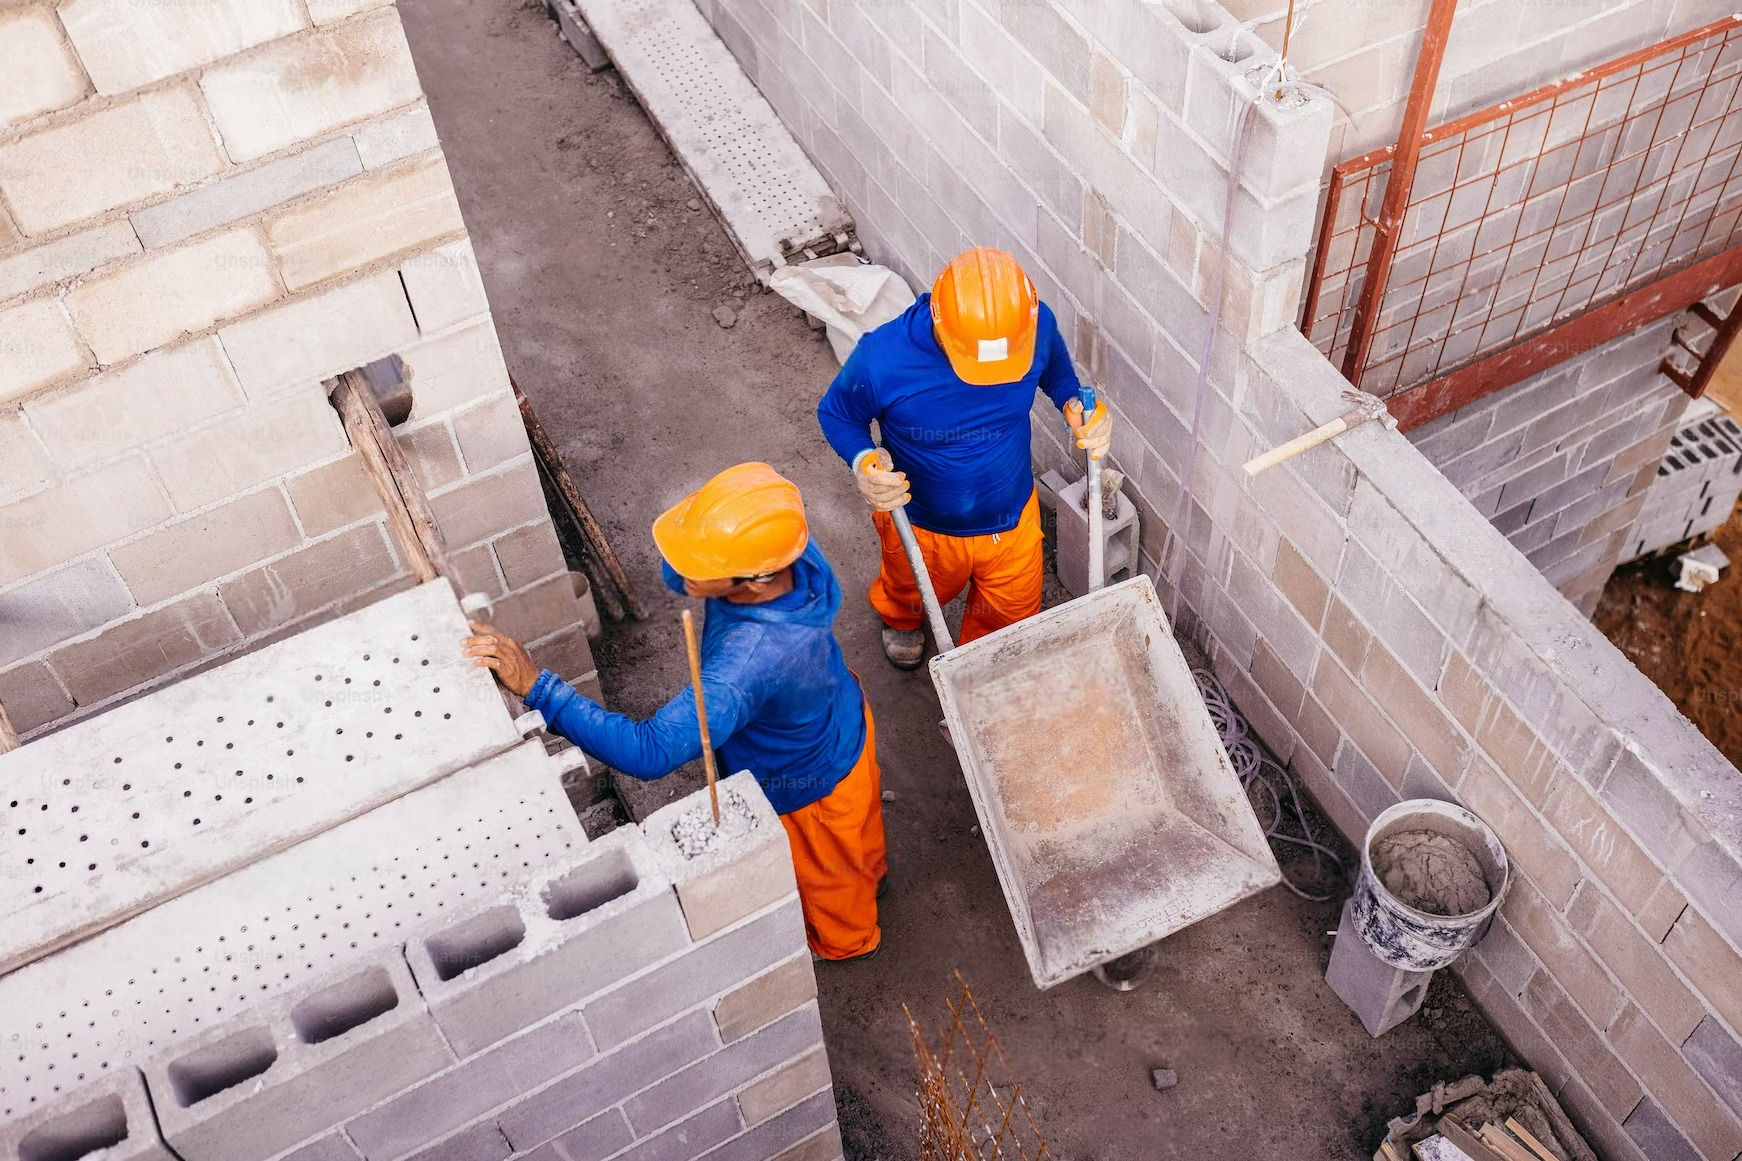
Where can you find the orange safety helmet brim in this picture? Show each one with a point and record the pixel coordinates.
(746, 521)
(985, 314)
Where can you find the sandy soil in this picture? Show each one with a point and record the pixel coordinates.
(603, 281)
(1689, 644)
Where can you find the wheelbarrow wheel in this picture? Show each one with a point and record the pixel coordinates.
(1128, 971)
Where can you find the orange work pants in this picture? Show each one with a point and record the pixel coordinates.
(1005, 569)
(838, 854)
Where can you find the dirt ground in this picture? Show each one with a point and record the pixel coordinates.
(603, 280)
(1689, 644)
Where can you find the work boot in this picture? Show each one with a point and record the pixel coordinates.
(905, 648)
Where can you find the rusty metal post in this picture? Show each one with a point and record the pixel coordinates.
(1398, 186)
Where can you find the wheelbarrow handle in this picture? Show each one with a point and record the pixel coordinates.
(1092, 498)
(940, 629)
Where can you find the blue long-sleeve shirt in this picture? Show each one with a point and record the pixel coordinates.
(965, 449)
(781, 701)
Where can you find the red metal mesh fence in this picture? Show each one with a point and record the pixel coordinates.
(1537, 210)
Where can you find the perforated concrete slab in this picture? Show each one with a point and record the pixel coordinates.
(147, 800)
(125, 994)
(772, 199)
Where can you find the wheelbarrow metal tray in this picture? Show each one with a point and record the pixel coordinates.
(1113, 814)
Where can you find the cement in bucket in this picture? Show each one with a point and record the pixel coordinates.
(1414, 938)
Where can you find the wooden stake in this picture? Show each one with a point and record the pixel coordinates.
(408, 511)
(695, 651)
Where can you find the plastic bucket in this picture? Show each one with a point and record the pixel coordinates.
(1399, 933)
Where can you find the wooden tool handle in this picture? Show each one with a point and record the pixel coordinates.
(695, 651)
(1301, 443)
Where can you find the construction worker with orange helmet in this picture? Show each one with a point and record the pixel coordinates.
(950, 383)
(781, 702)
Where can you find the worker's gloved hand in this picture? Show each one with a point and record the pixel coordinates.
(883, 489)
(1096, 436)
(494, 649)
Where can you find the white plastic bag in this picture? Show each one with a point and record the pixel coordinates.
(850, 295)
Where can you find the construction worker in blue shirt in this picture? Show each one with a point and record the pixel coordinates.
(950, 384)
(781, 702)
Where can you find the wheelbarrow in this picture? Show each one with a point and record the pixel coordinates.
(1111, 810)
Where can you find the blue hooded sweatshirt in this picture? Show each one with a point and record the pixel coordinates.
(781, 701)
(965, 449)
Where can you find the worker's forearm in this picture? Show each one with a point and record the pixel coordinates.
(845, 427)
(645, 750)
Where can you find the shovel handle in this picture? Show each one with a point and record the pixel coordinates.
(940, 629)
(1092, 498)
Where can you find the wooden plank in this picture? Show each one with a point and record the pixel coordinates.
(1464, 1138)
(9, 739)
(1504, 1146)
(408, 511)
(1530, 1142)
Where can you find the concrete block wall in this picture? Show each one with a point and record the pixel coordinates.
(616, 1006)
(206, 210)
(1697, 484)
(1365, 51)
(1561, 463)
(1383, 637)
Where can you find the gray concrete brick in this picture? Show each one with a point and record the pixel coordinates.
(286, 1071)
(481, 1142)
(109, 1118)
(233, 198)
(59, 606)
(707, 970)
(691, 1138)
(581, 1095)
(772, 1137)
(522, 980)
(732, 1066)
(1717, 1056)
(599, 1137)
(333, 1148)
(1656, 1136)
(765, 998)
(476, 1086)
(134, 651)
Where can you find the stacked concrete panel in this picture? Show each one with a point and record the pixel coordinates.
(206, 210)
(1562, 463)
(1695, 489)
(1382, 636)
(612, 999)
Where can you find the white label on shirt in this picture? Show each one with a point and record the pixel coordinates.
(994, 350)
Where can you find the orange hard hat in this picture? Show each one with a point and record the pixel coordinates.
(747, 521)
(984, 312)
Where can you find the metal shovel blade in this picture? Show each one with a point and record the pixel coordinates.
(1112, 812)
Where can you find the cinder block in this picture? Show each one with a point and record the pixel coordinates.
(149, 399)
(718, 888)
(439, 1106)
(726, 1070)
(58, 523)
(305, 85)
(1584, 1049)
(41, 347)
(333, 1148)
(784, 1087)
(59, 606)
(820, 1146)
(691, 1138)
(483, 1142)
(602, 1136)
(1656, 1136)
(232, 198)
(290, 1069)
(1640, 965)
(66, 257)
(333, 495)
(706, 971)
(606, 916)
(32, 696)
(483, 505)
(772, 1138)
(179, 291)
(144, 648)
(1381, 996)
(399, 135)
(122, 153)
(491, 433)
(314, 338)
(528, 555)
(1717, 1056)
(109, 1119)
(364, 221)
(42, 72)
(1675, 1085)
(444, 286)
(312, 578)
(206, 546)
(456, 367)
(582, 1095)
(1600, 841)
(252, 446)
(24, 464)
(124, 45)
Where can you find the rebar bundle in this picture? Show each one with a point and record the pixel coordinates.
(971, 1108)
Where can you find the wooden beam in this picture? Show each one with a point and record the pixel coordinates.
(1538, 353)
(9, 739)
(408, 511)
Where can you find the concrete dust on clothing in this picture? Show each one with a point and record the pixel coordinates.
(1431, 872)
(603, 283)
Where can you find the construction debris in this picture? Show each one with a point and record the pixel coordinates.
(970, 1107)
(1512, 1117)
(1163, 1078)
(1701, 567)
(725, 316)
